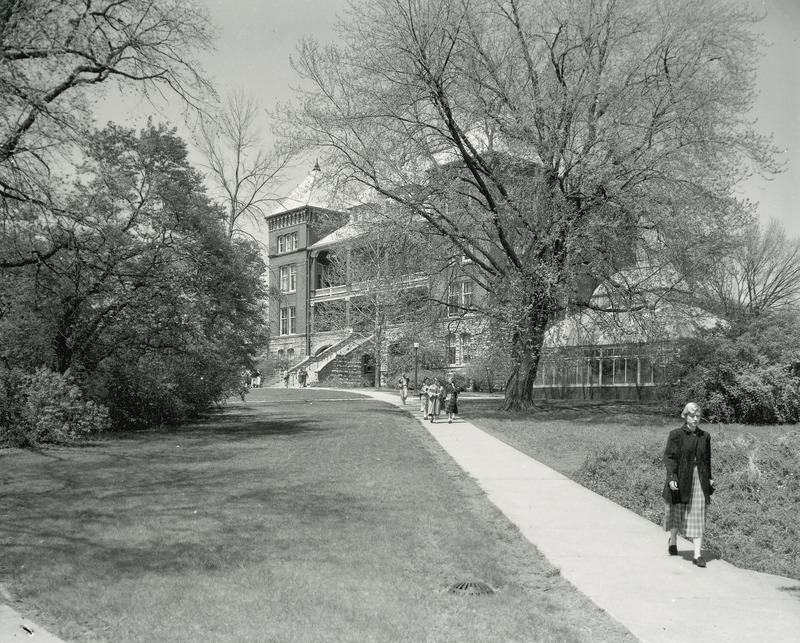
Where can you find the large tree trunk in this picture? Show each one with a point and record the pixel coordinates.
(63, 340)
(378, 346)
(526, 352)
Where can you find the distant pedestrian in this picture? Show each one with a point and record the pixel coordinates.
(302, 377)
(423, 397)
(451, 392)
(402, 383)
(434, 399)
(286, 378)
(689, 485)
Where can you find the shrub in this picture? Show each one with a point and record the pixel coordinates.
(46, 408)
(159, 391)
(748, 373)
(750, 394)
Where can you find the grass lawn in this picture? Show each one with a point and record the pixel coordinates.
(304, 515)
(561, 435)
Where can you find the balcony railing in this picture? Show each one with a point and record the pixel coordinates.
(352, 290)
(330, 292)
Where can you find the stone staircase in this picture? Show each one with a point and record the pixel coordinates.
(314, 364)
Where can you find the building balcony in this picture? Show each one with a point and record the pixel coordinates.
(330, 292)
(345, 291)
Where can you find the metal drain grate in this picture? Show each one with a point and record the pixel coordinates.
(471, 588)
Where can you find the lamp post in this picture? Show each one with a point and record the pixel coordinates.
(416, 349)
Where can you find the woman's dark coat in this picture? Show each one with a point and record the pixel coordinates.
(684, 450)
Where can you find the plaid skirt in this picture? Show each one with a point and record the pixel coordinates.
(689, 519)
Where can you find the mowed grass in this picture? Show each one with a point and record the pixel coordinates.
(300, 516)
(562, 434)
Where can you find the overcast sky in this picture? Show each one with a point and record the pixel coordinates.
(256, 38)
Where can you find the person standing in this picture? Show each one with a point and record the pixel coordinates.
(689, 485)
(403, 384)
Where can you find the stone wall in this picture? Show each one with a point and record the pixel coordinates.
(350, 368)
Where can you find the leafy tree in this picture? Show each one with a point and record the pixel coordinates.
(746, 372)
(552, 143)
(54, 56)
(152, 306)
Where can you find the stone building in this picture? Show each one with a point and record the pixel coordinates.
(304, 234)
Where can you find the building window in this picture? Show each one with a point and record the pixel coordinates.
(288, 321)
(459, 298)
(280, 354)
(466, 348)
(450, 351)
(288, 278)
(287, 242)
(466, 294)
(452, 301)
(290, 354)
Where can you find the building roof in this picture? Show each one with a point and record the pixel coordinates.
(316, 191)
(655, 313)
(668, 322)
(349, 231)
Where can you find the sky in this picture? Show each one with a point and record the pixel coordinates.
(257, 37)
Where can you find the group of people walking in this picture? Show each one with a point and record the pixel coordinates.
(434, 397)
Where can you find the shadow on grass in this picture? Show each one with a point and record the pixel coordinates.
(225, 425)
(201, 504)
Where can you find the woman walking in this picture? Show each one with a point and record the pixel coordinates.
(689, 485)
(451, 392)
(402, 383)
(434, 391)
(423, 397)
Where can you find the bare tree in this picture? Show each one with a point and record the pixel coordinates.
(53, 55)
(551, 142)
(761, 274)
(237, 162)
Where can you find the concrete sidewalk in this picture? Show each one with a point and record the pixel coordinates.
(617, 558)
(13, 627)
